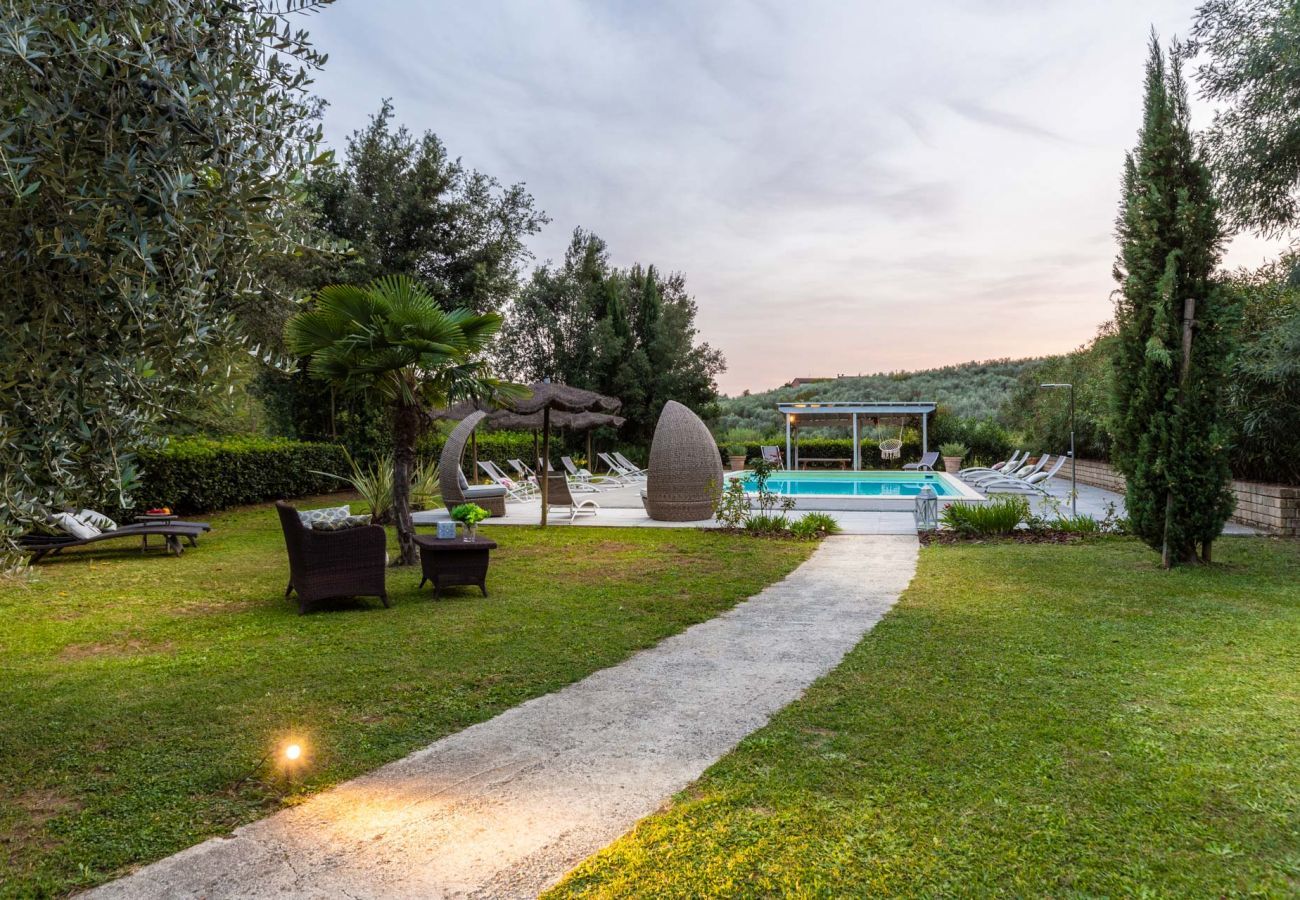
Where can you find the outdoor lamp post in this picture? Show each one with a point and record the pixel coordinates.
(927, 509)
(1074, 483)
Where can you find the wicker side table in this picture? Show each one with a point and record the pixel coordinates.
(448, 561)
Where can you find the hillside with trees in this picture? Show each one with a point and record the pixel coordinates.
(972, 390)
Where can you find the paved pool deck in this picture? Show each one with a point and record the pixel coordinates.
(504, 808)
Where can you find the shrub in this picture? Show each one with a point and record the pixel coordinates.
(1000, 516)
(957, 450)
(203, 474)
(766, 523)
(813, 525)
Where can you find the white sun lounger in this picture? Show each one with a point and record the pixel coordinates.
(1031, 484)
(514, 490)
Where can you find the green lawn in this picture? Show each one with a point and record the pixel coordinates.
(1030, 720)
(136, 692)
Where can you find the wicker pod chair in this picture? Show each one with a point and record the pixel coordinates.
(685, 471)
(455, 489)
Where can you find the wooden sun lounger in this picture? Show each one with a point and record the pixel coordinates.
(172, 533)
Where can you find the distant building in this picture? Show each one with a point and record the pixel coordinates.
(800, 382)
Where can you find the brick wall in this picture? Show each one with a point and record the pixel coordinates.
(1272, 507)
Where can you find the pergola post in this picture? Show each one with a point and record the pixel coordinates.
(789, 449)
(857, 446)
(925, 435)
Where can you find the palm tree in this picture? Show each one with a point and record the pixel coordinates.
(391, 340)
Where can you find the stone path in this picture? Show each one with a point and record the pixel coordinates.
(506, 807)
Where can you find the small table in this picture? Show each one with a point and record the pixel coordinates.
(170, 543)
(448, 561)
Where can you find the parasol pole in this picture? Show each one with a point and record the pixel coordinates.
(473, 449)
(544, 464)
(591, 466)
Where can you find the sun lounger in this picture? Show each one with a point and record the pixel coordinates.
(628, 464)
(1005, 467)
(927, 462)
(172, 533)
(772, 454)
(582, 480)
(619, 472)
(514, 489)
(1031, 484)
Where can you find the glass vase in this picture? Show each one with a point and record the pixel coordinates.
(471, 531)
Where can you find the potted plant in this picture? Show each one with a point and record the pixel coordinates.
(952, 455)
(736, 453)
(469, 514)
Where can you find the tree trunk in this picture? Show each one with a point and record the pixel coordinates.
(406, 427)
(1206, 555)
(1166, 552)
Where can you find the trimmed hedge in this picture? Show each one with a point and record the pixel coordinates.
(194, 475)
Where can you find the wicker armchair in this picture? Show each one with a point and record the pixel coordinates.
(685, 471)
(330, 564)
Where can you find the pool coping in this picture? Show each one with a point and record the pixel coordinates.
(963, 493)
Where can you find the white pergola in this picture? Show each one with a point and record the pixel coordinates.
(819, 415)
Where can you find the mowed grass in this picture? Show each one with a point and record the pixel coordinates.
(1042, 720)
(136, 692)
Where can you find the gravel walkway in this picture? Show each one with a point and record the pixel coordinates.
(506, 807)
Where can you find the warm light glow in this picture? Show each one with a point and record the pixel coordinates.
(292, 752)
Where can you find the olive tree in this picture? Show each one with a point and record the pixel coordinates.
(149, 152)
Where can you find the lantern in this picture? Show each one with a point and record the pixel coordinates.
(927, 509)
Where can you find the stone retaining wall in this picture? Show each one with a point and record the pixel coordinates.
(1272, 507)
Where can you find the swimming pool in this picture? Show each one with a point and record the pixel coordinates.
(879, 490)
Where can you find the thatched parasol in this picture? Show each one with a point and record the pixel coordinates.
(547, 404)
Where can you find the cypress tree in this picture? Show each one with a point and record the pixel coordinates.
(1174, 330)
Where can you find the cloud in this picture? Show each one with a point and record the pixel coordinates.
(977, 112)
(848, 187)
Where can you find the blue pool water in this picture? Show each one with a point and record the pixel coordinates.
(853, 484)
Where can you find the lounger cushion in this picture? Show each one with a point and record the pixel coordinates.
(310, 517)
(70, 524)
(340, 524)
(484, 490)
(97, 519)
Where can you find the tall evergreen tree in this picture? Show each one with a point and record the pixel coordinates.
(627, 333)
(1174, 330)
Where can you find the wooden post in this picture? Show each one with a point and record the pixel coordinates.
(544, 464)
(591, 466)
(536, 452)
(473, 453)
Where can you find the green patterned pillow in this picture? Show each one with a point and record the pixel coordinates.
(310, 517)
(341, 524)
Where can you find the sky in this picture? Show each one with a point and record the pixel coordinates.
(849, 187)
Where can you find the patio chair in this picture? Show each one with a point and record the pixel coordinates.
(1031, 484)
(772, 454)
(325, 565)
(558, 494)
(926, 462)
(523, 471)
(514, 489)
